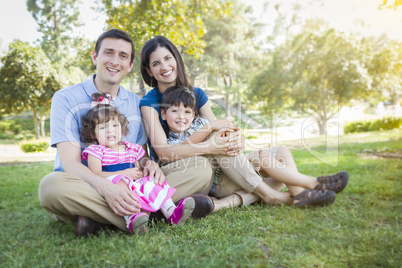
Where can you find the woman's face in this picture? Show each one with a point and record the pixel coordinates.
(163, 66)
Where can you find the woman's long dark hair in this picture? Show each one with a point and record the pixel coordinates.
(149, 47)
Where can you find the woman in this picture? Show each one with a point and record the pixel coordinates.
(162, 67)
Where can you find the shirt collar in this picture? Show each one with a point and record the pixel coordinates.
(90, 88)
(174, 135)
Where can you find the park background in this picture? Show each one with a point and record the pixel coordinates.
(322, 77)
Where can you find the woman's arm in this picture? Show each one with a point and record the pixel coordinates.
(237, 140)
(168, 152)
(218, 124)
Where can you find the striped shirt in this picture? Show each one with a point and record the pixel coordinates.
(112, 160)
(177, 138)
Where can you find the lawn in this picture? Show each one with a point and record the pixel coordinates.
(361, 229)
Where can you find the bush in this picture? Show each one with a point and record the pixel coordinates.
(16, 129)
(24, 136)
(386, 123)
(34, 146)
(5, 125)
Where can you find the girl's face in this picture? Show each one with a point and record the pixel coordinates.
(178, 118)
(109, 133)
(163, 66)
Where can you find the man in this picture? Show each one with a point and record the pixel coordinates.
(72, 192)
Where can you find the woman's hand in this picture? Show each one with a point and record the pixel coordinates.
(238, 143)
(219, 124)
(152, 169)
(225, 141)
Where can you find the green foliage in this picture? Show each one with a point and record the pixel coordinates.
(394, 4)
(27, 81)
(10, 125)
(34, 146)
(319, 70)
(182, 22)
(20, 128)
(5, 125)
(56, 19)
(386, 123)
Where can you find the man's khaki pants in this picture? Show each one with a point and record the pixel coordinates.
(65, 196)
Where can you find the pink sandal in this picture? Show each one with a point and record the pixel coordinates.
(183, 211)
(138, 223)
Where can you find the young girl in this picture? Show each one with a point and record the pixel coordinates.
(177, 110)
(118, 162)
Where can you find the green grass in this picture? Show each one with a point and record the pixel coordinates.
(361, 229)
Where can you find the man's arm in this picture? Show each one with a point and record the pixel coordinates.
(120, 199)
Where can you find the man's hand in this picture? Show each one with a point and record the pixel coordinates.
(132, 173)
(153, 170)
(120, 199)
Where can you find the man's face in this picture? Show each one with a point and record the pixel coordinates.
(113, 61)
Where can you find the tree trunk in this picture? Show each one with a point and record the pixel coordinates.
(36, 124)
(142, 88)
(322, 125)
(42, 126)
(227, 104)
(132, 80)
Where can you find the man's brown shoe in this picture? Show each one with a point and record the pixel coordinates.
(87, 226)
(204, 205)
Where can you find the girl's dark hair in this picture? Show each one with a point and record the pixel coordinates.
(175, 95)
(101, 113)
(115, 34)
(149, 47)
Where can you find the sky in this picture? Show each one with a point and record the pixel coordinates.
(360, 16)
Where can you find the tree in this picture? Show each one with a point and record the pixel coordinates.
(394, 5)
(180, 21)
(231, 48)
(317, 71)
(384, 65)
(56, 20)
(27, 81)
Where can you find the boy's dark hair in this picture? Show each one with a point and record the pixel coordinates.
(149, 47)
(99, 114)
(175, 95)
(116, 34)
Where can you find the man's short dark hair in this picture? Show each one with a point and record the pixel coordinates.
(116, 34)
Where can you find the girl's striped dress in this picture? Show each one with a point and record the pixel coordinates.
(150, 195)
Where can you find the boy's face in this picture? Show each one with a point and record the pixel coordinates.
(178, 118)
(109, 133)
